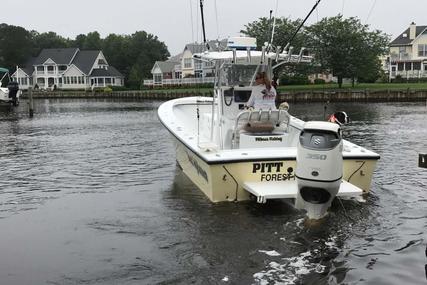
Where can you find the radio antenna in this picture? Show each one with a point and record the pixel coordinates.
(203, 24)
(302, 24)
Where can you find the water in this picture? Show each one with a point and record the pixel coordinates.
(90, 194)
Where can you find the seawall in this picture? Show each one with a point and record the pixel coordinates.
(405, 95)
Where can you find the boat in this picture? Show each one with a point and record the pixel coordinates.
(237, 154)
(9, 95)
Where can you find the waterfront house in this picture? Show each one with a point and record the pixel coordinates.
(183, 69)
(408, 53)
(68, 68)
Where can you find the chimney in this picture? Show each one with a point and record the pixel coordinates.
(412, 31)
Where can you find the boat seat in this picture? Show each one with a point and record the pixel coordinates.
(260, 122)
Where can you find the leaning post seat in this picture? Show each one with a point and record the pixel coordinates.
(259, 121)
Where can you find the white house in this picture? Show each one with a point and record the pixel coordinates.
(182, 69)
(68, 68)
(408, 53)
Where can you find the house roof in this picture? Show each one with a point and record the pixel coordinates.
(401, 40)
(28, 67)
(167, 66)
(85, 59)
(110, 72)
(58, 55)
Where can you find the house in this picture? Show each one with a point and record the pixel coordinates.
(408, 53)
(68, 68)
(163, 70)
(183, 69)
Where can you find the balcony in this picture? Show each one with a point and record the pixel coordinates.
(180, 81)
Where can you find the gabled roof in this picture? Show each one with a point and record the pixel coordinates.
(110, 72)
(58, 55)
(85, 59)
(166, 66)
(401, 40)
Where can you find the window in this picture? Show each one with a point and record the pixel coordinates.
(402, 49)
(408, 65)
(198, 74)
(114, 81)
(400, 66)
(417, 65)
(187, 62)
(62, 67)
(107, 80)
(422, 50)
(40, 68)
(157, 78)
(197, 65)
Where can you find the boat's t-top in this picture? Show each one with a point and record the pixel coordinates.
(236, 69)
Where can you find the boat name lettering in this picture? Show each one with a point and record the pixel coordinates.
(264, 139)
(263, 167)
(316, 156)
(277, 176)
(199, 169)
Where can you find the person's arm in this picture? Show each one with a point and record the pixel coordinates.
(251, 100)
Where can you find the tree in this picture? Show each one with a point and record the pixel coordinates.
(347, 48)
(92, 41)
(283, 31)
(48, 40)
(15, 46)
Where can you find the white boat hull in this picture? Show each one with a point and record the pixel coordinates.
(226, 181)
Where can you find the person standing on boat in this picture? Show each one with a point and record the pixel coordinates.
(263, 95)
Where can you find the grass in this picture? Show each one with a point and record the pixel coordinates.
(370, 86)
(311, 87)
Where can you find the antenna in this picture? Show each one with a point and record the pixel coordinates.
(303, 22)
(274, 24)
(203, 24)
(192, 24)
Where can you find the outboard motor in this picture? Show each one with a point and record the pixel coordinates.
(13, 92)
(319, 167)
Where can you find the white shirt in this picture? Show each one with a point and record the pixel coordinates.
(262, 98)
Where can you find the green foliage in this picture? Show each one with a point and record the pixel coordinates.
(133, 55)
(15, 46)
(319, 81)
(347, 48)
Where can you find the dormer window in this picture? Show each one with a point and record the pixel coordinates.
(101, 62)
(405, 35)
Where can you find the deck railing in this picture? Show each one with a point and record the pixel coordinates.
(179, 81)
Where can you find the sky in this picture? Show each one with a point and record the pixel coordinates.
(177, 22)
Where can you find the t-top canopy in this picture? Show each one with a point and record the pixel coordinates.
(253, 55)
(4, 70)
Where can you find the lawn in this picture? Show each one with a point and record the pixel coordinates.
(312, 87)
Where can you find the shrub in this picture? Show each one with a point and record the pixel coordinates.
(319, 81)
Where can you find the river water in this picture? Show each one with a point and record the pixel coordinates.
(90, 194)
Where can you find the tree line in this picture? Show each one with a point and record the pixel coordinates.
(341, 46)
(133, 55)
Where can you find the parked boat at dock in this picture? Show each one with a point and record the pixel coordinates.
(232, 153)
(10, 94)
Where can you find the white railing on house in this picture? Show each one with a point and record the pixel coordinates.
(409, 73)
(180, 81)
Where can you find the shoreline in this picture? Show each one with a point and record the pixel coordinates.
(402, 95)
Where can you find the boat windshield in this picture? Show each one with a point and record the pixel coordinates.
(239, 74)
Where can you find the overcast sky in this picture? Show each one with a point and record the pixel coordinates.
(173, 23)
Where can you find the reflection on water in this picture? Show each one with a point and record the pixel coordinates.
(90, 194)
